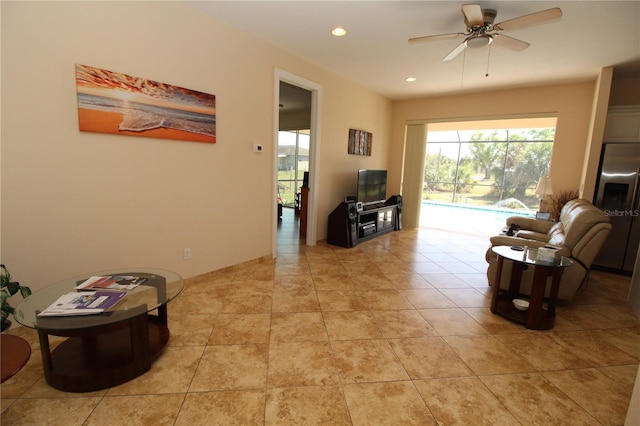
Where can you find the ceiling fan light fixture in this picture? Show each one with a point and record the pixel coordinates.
(476, 42)
(339, 32)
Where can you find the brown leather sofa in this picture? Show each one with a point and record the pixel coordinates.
(579, 235)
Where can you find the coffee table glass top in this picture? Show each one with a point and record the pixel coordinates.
(529, 256)
(159, 288)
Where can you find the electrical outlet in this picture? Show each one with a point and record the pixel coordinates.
(186, 253)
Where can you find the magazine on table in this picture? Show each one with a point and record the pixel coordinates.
(83, 303)
(111, 282)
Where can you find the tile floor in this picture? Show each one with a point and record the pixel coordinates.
(394, 331)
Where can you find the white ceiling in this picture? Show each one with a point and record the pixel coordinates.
(375, 53)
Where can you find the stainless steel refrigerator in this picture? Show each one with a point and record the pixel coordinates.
(617, 194)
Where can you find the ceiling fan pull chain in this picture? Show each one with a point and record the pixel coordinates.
(488, 59)
(464, 60)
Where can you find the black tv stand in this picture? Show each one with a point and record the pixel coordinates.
(349, 227)
(373, 206)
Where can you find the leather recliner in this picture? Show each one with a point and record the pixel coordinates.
(578, 235)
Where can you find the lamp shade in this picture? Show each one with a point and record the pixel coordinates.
(544, 186)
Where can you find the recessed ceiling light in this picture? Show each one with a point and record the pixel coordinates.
(410, 79)
(338, 31)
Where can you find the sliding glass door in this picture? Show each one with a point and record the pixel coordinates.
(497, 168)
(293, 161)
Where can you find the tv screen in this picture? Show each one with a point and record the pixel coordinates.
(372, 186)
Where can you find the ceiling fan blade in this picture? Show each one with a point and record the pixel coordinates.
(510, 42)
(435, 37)
(530, 19)
(455, 52)
(473, 14)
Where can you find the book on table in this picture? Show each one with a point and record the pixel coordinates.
(83, 303)
(111, 282)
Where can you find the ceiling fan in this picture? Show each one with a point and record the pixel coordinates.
(481, 31)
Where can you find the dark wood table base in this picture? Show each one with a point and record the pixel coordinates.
(538, 316)
(103, 356)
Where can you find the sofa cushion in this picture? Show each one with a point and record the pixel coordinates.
(532, 235)
(556, 234)
(541, 226)
(579, 220)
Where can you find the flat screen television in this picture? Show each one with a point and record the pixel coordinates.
(372, 186)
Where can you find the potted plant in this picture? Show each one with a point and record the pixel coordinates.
(557, 203)
(8, 289)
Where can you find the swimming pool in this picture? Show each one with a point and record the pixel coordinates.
(467, 219)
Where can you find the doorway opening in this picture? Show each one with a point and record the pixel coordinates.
(295, 160)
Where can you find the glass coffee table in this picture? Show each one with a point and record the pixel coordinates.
(106, 349)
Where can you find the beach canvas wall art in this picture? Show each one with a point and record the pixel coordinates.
(116, 103)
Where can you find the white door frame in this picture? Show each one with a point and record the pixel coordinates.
(314, 149)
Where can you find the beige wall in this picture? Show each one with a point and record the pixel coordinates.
(570, 103)
(599, 110)
(77, 202)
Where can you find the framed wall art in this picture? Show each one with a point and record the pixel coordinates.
(116, 103)
(359, 142)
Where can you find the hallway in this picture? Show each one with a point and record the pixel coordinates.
(289, 232)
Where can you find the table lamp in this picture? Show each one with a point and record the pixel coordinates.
(544, 190)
